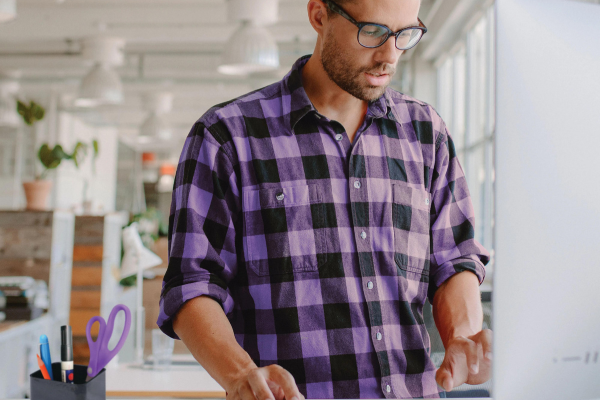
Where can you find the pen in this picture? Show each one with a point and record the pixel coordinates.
(66, 354)
(45, 354)
(42, 368)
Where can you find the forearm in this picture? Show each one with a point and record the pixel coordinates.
(204, 328)
(457, 307)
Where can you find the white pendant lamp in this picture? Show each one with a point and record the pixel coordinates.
(102, 85)
(251, 48)
(8, 10)
(156, 127)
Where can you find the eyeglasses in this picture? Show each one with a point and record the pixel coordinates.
(373, 35)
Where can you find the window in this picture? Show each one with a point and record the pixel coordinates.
(465, 94)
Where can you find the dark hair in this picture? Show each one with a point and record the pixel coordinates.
(340, 3)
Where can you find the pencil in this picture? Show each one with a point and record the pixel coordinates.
(45, 373)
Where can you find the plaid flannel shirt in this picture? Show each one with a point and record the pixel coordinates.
(322, 252)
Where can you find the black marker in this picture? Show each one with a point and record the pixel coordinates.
(66, 354)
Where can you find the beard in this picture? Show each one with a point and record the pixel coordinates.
(340, 68)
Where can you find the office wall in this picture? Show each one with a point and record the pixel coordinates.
(88, 182)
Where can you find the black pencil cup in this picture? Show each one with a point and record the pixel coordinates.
(44, 389)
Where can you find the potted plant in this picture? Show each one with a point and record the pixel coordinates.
(37, 191)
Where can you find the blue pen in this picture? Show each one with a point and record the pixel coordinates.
(45, 354)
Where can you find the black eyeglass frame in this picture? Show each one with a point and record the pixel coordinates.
(339, 10)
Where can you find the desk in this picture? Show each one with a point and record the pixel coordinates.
(184, 379)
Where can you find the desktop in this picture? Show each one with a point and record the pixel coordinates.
(547, 207)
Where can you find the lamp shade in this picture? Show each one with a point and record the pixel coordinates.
(250, 49)
(156, 127)
(8, 10)
(137, 256)
(102, 85)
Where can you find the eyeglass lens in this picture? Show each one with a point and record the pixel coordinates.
(373, 36)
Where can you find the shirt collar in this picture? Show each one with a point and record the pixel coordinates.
(300, 104)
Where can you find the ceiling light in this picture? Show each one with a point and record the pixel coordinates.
(8, 10)
(155, 126)
(102, 85)
(250, 49)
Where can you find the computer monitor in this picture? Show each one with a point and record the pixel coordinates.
(546, 307)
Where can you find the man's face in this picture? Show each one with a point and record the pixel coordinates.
(355, 68)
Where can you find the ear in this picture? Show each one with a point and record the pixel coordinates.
(317, 15)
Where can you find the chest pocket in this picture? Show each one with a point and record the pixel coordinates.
(283, 229)
(410, 215)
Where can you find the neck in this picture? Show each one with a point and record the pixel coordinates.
(327, 97)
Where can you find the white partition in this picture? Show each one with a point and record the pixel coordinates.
(546, 283)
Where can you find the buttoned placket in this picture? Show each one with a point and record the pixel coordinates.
(357, 186)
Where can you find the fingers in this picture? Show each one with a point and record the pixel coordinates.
(284, 379)
(471, 350)
(486, 340)
(246, 392)
(267, 383)
(258, 384)
(444, 379)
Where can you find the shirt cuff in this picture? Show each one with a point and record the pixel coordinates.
(452, 267)
(171, 302)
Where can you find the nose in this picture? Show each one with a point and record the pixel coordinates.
(388, 53)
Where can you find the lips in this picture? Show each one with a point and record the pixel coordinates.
(376, 79)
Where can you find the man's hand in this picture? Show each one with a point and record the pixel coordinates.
(467, 360)
(267, 383)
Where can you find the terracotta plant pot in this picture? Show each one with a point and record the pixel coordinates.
(37, 193)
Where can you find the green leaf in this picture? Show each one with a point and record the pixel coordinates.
(32, 113)
(50, 158)
(96, 147)
(79, 153)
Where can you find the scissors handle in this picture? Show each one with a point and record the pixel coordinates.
(99, 353)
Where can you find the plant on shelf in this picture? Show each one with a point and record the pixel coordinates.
(51, 158)
(37, 191)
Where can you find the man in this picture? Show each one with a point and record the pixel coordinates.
(312, 218)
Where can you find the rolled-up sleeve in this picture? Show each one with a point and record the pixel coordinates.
(452, 220)
(205, 204)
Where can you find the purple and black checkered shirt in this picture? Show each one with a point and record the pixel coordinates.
(322, 252)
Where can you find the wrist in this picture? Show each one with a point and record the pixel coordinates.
(240, 374)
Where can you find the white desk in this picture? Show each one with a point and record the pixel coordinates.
(182, 381)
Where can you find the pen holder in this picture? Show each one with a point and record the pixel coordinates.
(45, 389)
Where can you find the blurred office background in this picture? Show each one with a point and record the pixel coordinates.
(153, 67)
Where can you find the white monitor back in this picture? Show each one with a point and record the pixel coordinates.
(547, 220)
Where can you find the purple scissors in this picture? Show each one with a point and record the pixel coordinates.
(99, 353)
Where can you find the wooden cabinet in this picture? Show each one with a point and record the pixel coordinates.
(94, 284)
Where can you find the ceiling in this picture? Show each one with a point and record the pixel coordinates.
(172, 45)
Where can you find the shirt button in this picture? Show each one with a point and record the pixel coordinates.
(378, 335)
(280, 196)
(357, 184)
(388, 388)
(339, 137)
(369, 285)
(427, 201)
(363, 234)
